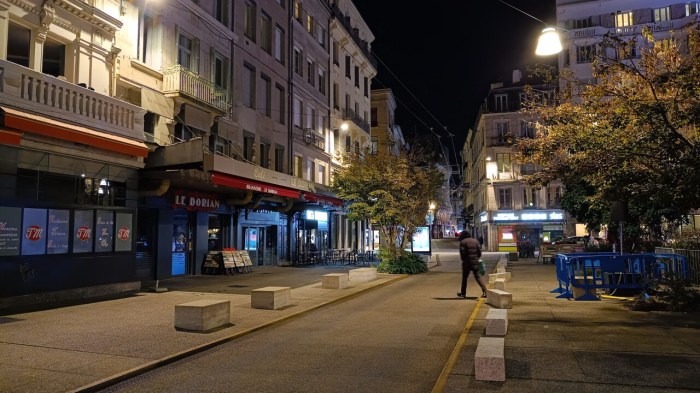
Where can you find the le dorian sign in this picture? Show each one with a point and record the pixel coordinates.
(191, 200)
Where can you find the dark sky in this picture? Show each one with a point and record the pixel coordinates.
(448, 53)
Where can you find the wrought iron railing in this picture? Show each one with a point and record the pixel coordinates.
(178, 79)
(349, 114)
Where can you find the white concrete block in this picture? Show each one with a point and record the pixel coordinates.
(270, 298)
(497, 322)
(500, 268)
(202, 315)
(334, 281)
(499, 299)
(500, 283)
(363, 274)
(489, 360)
(494, 276)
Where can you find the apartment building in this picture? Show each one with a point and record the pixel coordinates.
(385, 133)
(174, 128)
(503, 209)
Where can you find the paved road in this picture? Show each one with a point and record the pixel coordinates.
(393, 339)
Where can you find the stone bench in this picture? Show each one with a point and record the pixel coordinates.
(270, 298)
(499, 298)
(202, 315)
(497, 322)
(494, 276)
(334, 281)
(489, 360)
(500, 283)
(500, 268)
(362, 274)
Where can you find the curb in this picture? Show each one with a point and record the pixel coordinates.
(116, 378)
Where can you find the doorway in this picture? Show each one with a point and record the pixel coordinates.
(261, 244)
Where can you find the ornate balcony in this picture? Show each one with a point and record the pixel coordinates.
(349, 114)
(179, 81)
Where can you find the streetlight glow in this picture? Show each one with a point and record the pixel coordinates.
(549, 43)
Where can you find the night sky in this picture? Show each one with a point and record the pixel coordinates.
(448, 56)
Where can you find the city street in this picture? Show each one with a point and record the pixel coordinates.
(394, 339)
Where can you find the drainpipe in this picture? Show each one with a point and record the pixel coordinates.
(238, 202)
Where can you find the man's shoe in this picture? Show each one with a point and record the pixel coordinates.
(483, 294)
(461, 295)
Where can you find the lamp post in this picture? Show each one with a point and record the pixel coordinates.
(430, 217)
(549, 42)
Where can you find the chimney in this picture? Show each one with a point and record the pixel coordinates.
(517, 76)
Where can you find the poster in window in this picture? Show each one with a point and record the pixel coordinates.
(122, 241)
(421, 240)
(82, 231)
(34, 230)
(104, 231)
(57, 236)
(10, 221)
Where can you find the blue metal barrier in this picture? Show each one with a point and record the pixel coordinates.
(592, 271)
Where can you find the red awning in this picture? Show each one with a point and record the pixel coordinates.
(8, 137)
(41, 125)
(329, 200)
(246, 184)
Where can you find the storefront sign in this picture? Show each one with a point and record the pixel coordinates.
(122, 241)
(505, 217)
(82, 230)
(10, 219)
(34, 229)
(244, 184)
(57, 236)
(105, 231)
(527, 215)
(195, 201)
(483, 217)
(316, 215)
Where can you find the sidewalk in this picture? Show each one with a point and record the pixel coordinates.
(555, 345)
(77, 348)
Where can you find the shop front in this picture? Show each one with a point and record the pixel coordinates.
(522, 231)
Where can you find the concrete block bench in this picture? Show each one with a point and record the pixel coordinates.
(500, 268)
(499, 299)
(270, 298)
(500, 283)
(334, 281)
(494, 276)
(489, 360)
(202, 315)
(362, 274)
(497, 322)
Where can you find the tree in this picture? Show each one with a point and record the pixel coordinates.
(393, 192)
(631, 137)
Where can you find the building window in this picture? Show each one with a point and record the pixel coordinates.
(266, 32)
(148, 42)
(265, 98)
(374, 145)
(336, 96)
(298, 166)
(298, 68)
(501, 102)
(366, 85)
(347, 67)
(624, 19)
(310, 118)
(527, 129)
(219, 70)
(18, 44)
(249, 20)
(248, 150)
(529, 198)
(336, 51)
(357, 76)
(248, 86)
(321, 178)
(185, 52)
(320, 35)
(662, 14)
(554, 197)
(691, 9)
(503, 162)
(374, 117)
(310, 71)
(627, 50)
(279, 44)
(310, 24)
(279, 158)
(322, 81)
(221, 145)
(505, 198)
(583, 23)
(502, 132)
(297, 10)
(585, 54)
(264, 155)
(281, 103)
(348, 143)
(310, 170)
(221, 11)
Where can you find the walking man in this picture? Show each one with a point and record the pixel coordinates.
(470, 252)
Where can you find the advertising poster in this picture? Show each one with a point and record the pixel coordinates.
(122, 241)
(34, 230)
(57, 236)
(178, 264)
(104, 231)
(421, 240)
(10, 221)
(82, 231)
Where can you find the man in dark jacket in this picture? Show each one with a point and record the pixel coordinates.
(470, 252)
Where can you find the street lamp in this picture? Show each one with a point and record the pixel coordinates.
(549, 42)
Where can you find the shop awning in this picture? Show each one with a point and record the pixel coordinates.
(247, 184)
(325, 199)
(41, 125)
(8, 137)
